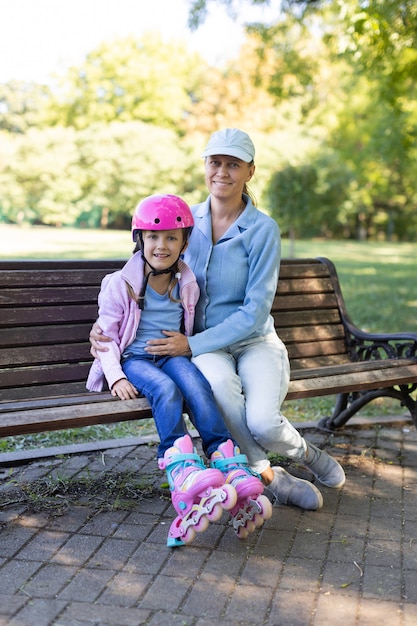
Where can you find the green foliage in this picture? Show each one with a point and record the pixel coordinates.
(199, 8)
(293, 197)
(354, 71)
(33, 188)
(327, 91)
(108, 169)
(126, 80)
(378, 133)
(119, 164)
(310, 200)
(22, 105)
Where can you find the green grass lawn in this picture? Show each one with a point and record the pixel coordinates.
(378, 282)
(39, 242)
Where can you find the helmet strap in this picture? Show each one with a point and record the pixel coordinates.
(153, 272)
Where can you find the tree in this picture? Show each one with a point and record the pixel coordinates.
(22, 105)
(33, 188)
(379, 43)
(93, 177)
(121, 163)
(328, 86)
(199, 8)
(370, 111)
(130, 79)
(293, 194)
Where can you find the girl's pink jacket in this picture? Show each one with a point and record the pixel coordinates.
(119, 316)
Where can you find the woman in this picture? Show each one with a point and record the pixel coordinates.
(234, 251)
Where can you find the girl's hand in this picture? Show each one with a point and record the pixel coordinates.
(124, 390)
(175, 344)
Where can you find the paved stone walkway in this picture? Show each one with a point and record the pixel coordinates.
(83, 541)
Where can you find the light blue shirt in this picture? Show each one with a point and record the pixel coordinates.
(159, 313)
(237, 277)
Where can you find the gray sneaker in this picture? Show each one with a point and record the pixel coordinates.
(326, 469)
(286, 489)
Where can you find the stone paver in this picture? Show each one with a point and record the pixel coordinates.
(68, 561)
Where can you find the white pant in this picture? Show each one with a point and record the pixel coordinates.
(250, 380)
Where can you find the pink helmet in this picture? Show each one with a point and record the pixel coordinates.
(161, 212)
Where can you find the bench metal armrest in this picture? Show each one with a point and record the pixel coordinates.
(363, 346)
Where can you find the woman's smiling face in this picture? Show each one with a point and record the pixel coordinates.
(227, 175)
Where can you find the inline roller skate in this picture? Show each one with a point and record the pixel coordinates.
(198, 493)
(252, 508)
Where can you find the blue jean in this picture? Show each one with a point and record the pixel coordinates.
(250, 380)
(166, 382)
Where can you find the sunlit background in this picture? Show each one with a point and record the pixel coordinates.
(103, 102)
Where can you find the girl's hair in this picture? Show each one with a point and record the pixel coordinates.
(174, 278)
(171, 288)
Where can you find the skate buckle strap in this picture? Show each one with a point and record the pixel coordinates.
(223, 464)
(164, 463)
(233, 463)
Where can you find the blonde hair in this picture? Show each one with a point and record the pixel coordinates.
(173, 283)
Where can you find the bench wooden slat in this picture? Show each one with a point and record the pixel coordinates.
(42, 374)
(317, 361)
(64, 388)
(318, 348)
(26, 316)
(44, 274)
(310, 317)
(48, 353)
(74, 416)
(303, 334)
(50, 401)
(302, 268)
(304, 286)
(43, 335)
(301, 302)
(344, 382)
(48, 296)
(357, 367)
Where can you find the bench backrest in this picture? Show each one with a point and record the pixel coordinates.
(307, 313)
(47, 309)
(46, 312)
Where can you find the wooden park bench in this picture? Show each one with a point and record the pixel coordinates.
(47, 309)
(329, 354)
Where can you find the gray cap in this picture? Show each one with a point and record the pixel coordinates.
(231, 142)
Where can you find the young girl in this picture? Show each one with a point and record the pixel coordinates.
(156, 291)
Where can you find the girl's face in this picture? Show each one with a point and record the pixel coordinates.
(226, 176)
(162, 248)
